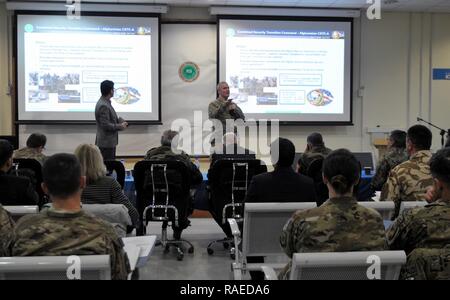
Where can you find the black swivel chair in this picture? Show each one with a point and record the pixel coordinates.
(163, 195)
(118, 167)
(315, 172)
(32, 169)
(228, 180)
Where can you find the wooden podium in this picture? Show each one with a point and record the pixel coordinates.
(381, 145)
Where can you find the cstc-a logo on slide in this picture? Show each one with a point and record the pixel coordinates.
(29, 28)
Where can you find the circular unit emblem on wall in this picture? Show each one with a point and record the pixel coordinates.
(189, 71)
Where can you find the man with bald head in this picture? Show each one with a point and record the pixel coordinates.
(223, 108)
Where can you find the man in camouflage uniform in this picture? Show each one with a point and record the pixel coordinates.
(35, 145)
(396, 155)
(223, 109)
(315, 148)
(164, 152)
(66, 229)
(409, 180)
(6, 230)
(338, 225)
(424, 233)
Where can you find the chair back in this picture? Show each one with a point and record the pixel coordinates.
(92, 267)
(115, 214)
(263, 224)
(117, 167)
(162, 189)
(18, 211)
(228, 180)
(364, 265)
(32, 169)
(408, 205)
(385, 208)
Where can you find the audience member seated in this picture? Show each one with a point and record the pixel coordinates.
(282, 184)
(395, 155)
(340, 224)
(14, 190)
(167, 151)
(65, 229)
(424, 233)
(315, 148)
(35, 145)
(101, 189)
(231, 149)
(410, 180)
(6, 231)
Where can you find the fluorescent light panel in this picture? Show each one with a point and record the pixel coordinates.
(39, 6)
(300, 12)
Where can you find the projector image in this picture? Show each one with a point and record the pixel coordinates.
(69, 98)
(267, 100)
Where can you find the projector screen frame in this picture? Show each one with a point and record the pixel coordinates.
(91, 14)
(294, 19)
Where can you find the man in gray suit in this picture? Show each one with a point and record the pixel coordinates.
(108, 124)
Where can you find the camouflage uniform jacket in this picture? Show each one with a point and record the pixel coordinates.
(30, 153)
(59, 233)
(309, 156)
(218, 110)
(6, 232)
(408, 181)
(391, 159)
(165, 153)
(338, 225)
(424, 234)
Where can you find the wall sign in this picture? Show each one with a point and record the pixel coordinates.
(189, 71)
(441, 74)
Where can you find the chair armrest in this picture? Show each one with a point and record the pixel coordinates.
(234, 227)
(269, 273)
(237, 239)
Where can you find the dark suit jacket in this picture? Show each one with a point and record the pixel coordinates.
(17, 190)
(108, 124)
(232, 151)
(281, 185)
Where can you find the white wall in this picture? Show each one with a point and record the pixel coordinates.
(392, 61)
(5, 100)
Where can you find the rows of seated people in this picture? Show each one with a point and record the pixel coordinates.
(338, 224)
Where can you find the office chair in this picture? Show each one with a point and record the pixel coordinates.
(118, 167)
(228, 180)
(163, 195)
(32, 169)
